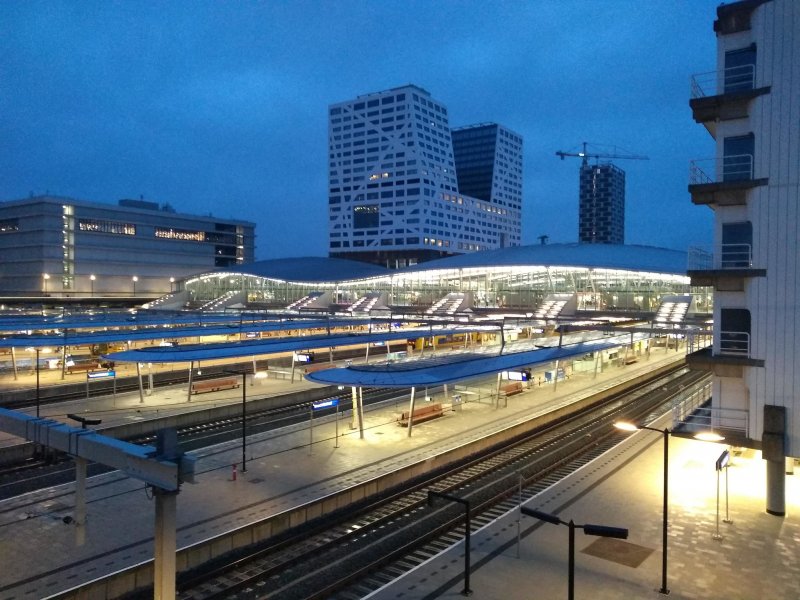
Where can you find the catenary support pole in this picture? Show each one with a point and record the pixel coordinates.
(188, 392)
(555, 378)
(354, 410)
(411, 412)
(141, 386)
(361, 413)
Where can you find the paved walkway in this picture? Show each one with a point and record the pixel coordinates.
(38, 550)
(756, 557)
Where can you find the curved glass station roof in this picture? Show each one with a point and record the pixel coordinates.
(604, 277)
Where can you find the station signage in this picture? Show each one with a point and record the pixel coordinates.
(518, 375)
(330, 403)
(303, 358)
(723, 460)
(101, 374)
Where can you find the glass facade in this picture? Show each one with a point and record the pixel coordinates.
(518, 288)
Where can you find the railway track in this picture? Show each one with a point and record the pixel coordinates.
(348, 554)
(58, 468)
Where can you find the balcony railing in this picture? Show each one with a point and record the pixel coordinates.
(690, 413)
(736, 256)
(734, 343)
(737, 167)
(715, 83)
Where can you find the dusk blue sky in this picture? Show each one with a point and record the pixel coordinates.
(221, 107)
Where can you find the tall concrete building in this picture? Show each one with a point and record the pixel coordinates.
(601, 214)
(57, 246)
(393, 194)
(749, 106)
(488, 161)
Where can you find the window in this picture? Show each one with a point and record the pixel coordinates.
(734, 335)
(9, 225)
(366, 216)
(740, 69)
(737, 161)
(180, 234)
(101, 226)
(737, 245)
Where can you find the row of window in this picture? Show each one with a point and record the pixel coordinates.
(167, 233)
(371, 103)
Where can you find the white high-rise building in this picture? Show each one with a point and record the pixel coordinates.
(750, 107)
(393, 186)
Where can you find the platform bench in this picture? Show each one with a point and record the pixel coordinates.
(421, 414)
(83, 366)
(214, 385)
(319, 367)
(512, 388)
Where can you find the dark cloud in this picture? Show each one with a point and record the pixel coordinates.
(219, 107)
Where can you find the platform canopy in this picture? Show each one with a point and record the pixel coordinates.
(247, 348)
(452, 368)
(165, 330)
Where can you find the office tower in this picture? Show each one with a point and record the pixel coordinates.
(393, 187)
(60, 246)
(601, 218)
(488, 161)
(749, 106)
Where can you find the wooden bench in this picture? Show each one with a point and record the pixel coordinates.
(512, 388)
(319, 367)
(214, 385)
(83, 366)
(629, 360)
(421, 414)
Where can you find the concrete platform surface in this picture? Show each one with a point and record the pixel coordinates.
(756, 557)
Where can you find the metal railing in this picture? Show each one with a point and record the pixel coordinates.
(736, 343)
(736, 256)
(736, 167)
(699, 258)
(690, 414)
(714, 83)
(697, 340)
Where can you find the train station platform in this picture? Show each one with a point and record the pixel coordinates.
(753, 556)
(160, 402)
(43, 553)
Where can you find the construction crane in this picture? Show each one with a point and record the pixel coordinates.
(586, 155)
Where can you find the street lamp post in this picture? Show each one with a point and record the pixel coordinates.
(134, 279)
(171, 284)
(91, 282)
(467, 527)
(664, 524)
(45, 277)
(588, 529)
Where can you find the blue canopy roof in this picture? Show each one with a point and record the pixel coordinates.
(453, 368)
